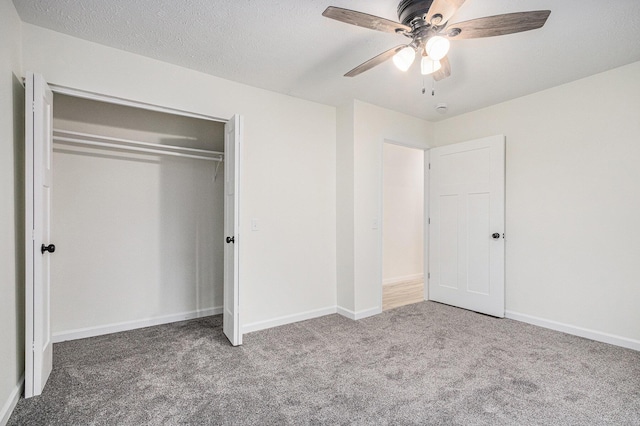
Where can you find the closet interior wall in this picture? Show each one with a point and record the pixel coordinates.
(139, 236)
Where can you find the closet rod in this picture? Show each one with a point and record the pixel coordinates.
(132, 142)
(133, 148)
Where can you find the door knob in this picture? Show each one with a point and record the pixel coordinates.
(495, 235)
(231, 240)
(50, 248)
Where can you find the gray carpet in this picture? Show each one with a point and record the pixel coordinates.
(420, 364)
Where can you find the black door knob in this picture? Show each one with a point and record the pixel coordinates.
(495, 235)
(50, 248)
(231, 240)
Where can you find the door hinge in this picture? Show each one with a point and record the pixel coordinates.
(33, 106)
(429, 275)
(429, 166)
(33, 234)
(33, 346)
(429, 221)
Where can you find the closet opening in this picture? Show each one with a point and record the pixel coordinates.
(131, 219)
(403, 225)
(137, 218)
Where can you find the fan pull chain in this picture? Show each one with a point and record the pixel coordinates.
(433, 87)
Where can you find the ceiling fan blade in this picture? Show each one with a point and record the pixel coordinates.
(366, 66)
(442, 10)
(364, 20)
(497, 25)
(444, 71)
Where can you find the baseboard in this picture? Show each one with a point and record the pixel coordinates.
(345, 312)
(396, 280)
(100, 330)
(11, 402)
(288, 319)
(576, 331)
(358, 315)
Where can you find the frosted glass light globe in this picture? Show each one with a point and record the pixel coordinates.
(437, 47)
(429, 66)
(404, 58)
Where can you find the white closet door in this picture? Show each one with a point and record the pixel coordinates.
(466, 234)
(38, 166)
(231, 311)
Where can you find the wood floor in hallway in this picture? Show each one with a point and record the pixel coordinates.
(402, 293)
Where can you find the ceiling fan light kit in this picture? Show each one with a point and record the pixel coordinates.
(429, 66)
(437, 47)
(404, 58)
(426, 23)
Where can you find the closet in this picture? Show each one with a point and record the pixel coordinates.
(137, 217)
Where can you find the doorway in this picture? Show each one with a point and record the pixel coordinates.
(403, 236)
(135, 164)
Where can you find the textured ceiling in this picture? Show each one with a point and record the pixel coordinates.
(287, 46)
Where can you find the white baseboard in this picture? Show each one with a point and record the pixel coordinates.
(396, 280)
(576, 331)
(346, 312)
(288, 319)
(360, 314)
(100, 330)
(11, 402)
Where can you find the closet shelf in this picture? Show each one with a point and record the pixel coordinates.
(87, 139)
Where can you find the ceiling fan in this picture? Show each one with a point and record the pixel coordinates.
(426, 23)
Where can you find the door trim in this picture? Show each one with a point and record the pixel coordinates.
(101, 97)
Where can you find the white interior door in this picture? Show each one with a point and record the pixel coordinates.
(38, 153)
(466, 234)
(231, 314)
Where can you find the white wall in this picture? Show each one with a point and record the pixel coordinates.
(403, 210)
(11, 209)
(372, 126)
(572, 199)
(288, 183)
(139, 237)
(344, 207)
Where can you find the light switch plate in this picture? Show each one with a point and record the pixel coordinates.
(255, 225)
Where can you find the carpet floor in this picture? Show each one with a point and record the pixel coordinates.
(424, 363)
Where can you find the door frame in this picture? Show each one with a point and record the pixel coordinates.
(84, 94)
(425, 240)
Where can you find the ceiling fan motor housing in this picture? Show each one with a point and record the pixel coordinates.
(408, 10)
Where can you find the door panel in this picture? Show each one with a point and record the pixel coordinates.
(466, 208)
(38, 196)
(478, 243)
(231, 312)
(448, 241)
